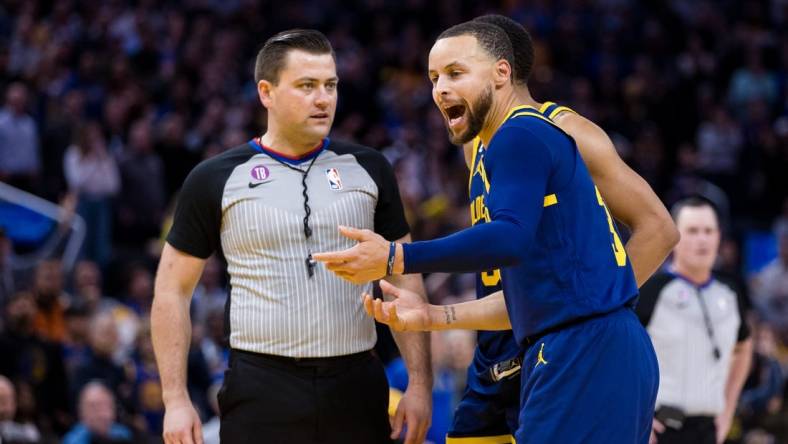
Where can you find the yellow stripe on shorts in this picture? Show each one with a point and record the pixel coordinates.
(550, 199)
(500, 439)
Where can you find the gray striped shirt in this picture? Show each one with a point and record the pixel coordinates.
(690, 377)
(249, 206)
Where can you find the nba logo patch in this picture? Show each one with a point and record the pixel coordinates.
(334, 181)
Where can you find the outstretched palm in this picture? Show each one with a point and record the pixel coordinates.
(406, 312)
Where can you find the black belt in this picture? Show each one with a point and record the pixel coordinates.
(328, 361)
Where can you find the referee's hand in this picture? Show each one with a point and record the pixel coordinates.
(182, 424)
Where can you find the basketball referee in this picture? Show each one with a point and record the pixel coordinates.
(301, 367)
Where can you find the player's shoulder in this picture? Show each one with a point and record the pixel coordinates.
(527, 125)
(530, 122)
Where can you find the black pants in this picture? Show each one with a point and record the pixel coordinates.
(696, 430)
(275, 400)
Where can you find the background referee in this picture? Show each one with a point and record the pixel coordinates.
(301, 370)
(696, 320)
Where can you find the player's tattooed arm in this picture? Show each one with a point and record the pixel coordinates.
(407, 312)
(451, 314)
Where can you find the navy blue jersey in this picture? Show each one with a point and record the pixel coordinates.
(493, 346)
(545, 228)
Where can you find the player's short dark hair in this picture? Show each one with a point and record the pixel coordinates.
(490, 37)
(693, 202)
(522, 45)
(271, 58)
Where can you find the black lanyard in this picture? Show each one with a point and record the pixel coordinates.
(709, 326)
(310, 263)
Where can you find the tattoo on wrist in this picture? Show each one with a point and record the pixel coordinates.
(451, 315)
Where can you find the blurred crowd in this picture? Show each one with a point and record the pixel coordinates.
(107, 105)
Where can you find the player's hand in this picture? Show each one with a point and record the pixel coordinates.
(656, 428)
(182, 424)
(415, 411)
(406, 312)
(364, 262)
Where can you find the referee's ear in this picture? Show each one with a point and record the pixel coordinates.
(265, 92)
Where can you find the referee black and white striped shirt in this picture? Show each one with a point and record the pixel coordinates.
(694, 329)
(247, 205)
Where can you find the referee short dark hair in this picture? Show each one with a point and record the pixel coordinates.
(271, 58)
(490, 37)
(522, 44)
(693, 202)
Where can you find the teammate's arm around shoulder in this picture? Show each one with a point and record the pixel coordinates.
(629, 197)
(176, 279)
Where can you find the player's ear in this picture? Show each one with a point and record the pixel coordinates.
(502, 74)
(265, 92)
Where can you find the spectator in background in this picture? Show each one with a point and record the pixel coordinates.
(63, 123)
(87, 287)
(213, 344)
(91, 173)
(6, 272)
(209, 294)
(139, 290)
(20, 160)
(176, 158)
(88, 291)
(147, 384)
(762, 394)
(753, 81)
(142, 199)
(35, 364)
(97, 418)
(770, 287)
(720, 142)
(13, 432)
(75, 345)
(51, 300)
(99, 365)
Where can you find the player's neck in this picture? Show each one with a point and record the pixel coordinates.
(498, 112)
(697, 276)
(524, 97)
(287, 144)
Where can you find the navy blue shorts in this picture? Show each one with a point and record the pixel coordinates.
(489, 416)
(592, 382)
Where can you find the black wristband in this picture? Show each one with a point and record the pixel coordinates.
(390, 261)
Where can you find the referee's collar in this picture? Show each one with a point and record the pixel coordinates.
(702, 286)
(257, 145)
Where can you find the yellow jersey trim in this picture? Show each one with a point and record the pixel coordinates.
(550, 199)
(559, 110)
(477, 141)
(499, 439)
(483, 173)
(544, 106)
(534, 114)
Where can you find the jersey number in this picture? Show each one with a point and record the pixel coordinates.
(618, 247)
